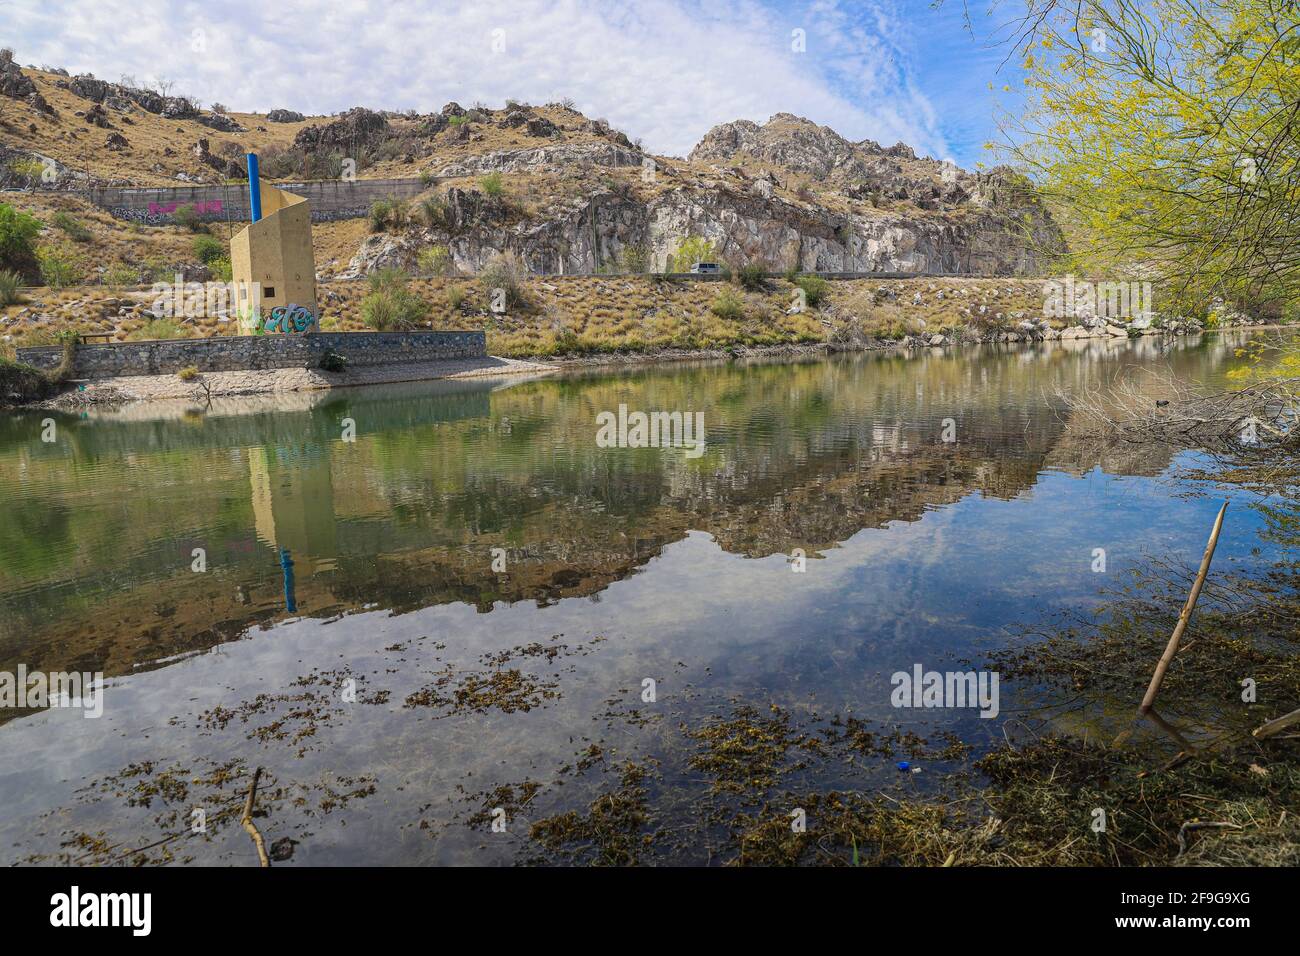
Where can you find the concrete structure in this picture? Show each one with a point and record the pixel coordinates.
(242, 352)
(271, 259)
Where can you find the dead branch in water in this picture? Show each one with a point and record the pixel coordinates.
(1154, 406)
(1172, 647)
(1274, 726)
(249, 825)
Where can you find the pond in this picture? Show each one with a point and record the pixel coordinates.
(451, 625)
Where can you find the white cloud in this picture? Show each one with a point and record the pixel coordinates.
(661, 70)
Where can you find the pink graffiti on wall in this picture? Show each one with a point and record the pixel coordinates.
(200, 208)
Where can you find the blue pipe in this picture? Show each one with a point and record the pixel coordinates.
(290, 592)
(254, 189)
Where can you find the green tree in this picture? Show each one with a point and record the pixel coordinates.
(18, 232)
(689, 251)
(1167, 137)
(59, 265)
(208, 248)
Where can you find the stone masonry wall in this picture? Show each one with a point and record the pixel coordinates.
(330, 199)
(238, 353)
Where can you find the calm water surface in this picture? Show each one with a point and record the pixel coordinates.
(396, 688)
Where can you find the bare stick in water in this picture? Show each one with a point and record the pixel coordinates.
(1172, 648)
(1273, 726)
(247, 820)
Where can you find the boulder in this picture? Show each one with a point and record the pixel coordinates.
(356, 127)
(98, 116)
(87, 87)
(541, 126)
(221, 122)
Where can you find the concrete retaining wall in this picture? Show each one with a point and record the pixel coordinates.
(330, 199)
(240, 352)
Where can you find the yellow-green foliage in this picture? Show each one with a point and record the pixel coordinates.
(1164, 132)
(689, 251)
(60, 267)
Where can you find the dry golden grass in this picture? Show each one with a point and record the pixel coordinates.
(113, 241)
(590, 315)
(80, 145)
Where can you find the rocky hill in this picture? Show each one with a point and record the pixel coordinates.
(567, 193)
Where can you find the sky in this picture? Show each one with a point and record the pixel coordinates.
(663, 71)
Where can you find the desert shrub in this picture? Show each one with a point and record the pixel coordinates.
(436, 261)
(752, 276)
(635, 258)
(21, 382)
(728, 304)
(457, 120)
(73, 227)
(391, 306)
(492, 184)
(456, 296)
(332, 361)
(505, 272)
(160, 270)
(382, 215)
(59, 266)
(433, 212)
(221, 269)
(815, 289)
(568, 342)
(120, 275)
(67, 340)
(186, 216)
(188, 374)
(207, 248)
(158, 329)
(9, 284)
(18, 232)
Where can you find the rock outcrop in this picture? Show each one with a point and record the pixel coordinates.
(17, 85)
(357, 127)
(748, 190)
